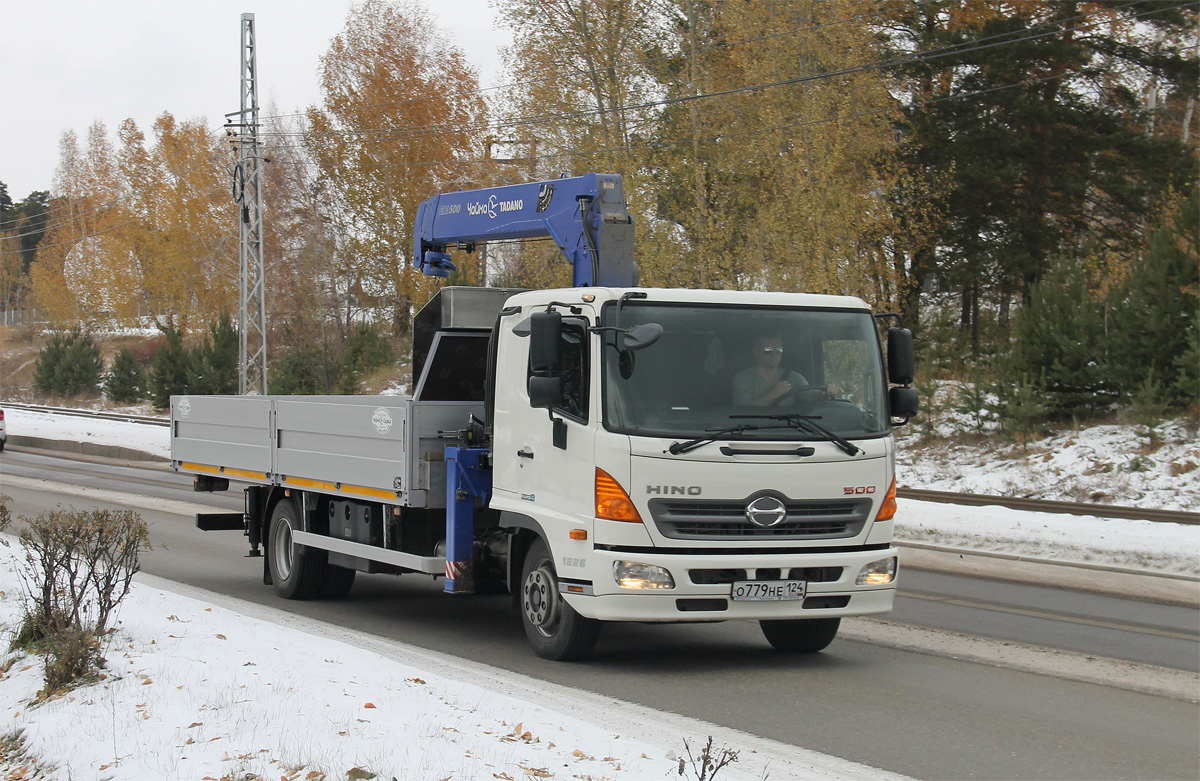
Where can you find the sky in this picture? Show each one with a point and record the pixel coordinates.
(199, 686)
(69, 63)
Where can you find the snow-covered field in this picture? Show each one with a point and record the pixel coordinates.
(1105, 464)
(195, 691)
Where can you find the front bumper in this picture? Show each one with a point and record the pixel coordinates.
(834, 595)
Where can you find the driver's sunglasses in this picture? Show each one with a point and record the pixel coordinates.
(769, 350)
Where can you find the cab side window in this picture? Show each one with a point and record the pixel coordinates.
(574, 371)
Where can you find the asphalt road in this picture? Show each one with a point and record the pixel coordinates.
(920, 714)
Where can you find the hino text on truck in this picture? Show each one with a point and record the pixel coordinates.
(603, 452)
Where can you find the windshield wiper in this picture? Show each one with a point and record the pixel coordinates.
(712, 435)
(806, 421)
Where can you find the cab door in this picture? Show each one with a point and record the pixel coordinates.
(544, 458)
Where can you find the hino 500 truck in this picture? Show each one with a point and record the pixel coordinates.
(602, 452)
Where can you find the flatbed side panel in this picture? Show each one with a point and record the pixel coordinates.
(225, 431)
(431, 427)
(343, 443)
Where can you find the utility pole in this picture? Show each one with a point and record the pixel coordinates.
(247, 193)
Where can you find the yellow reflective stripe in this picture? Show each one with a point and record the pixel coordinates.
(376, 492)
(216, 470)
(230, 472)
(318, 484)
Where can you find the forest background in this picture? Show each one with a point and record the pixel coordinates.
(1018, 178)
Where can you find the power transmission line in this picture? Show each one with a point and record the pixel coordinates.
(991, 41)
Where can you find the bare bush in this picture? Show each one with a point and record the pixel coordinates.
(710, 761)
(77, 567)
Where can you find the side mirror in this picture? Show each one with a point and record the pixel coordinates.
(545, 392)
(641, 336)
(545, 343)
(903, 402)
(900, 361)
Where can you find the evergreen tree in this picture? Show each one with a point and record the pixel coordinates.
(366, 350)
(46, 366)
(1155, 312)
(213, 367)
(299, 372)
(69, 365)
(1057, 345)
(169, 372)
(125, 382)
(1033, 115)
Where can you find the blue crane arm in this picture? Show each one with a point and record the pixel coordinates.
(585, 215)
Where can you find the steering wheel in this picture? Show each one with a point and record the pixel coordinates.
(795, 392)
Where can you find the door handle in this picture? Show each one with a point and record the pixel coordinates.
(525, 454)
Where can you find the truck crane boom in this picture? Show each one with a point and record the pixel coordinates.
(585, 215)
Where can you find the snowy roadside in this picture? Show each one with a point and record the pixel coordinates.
(1155, 547)
(197, 691)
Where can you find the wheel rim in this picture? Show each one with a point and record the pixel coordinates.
(543, 608)
(281, 548)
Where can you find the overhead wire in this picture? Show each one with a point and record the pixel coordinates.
(953, 49)
(393, 134)
(961, 48)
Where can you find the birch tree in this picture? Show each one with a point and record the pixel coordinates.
(400, 121)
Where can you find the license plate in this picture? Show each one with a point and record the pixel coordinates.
(767, 590)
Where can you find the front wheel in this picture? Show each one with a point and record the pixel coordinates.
(801, 636)
(552, 626)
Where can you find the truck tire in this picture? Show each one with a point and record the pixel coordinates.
(801, 636)
(552, 626)
(336, 583)
(296, 571)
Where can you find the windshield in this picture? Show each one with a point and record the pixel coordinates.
(746, 373)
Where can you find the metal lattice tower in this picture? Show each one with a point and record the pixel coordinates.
(247, 193)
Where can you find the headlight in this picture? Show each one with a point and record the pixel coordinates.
(877, 573)
(632, 574)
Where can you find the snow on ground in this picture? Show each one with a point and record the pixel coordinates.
(183, 701)
(195, 691)
(1106, 464)
(1050, 471)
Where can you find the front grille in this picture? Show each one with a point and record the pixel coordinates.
(724, 520)
(713, 577)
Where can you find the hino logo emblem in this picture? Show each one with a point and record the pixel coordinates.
(766, 512)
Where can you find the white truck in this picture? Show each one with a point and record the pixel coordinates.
(599, 452)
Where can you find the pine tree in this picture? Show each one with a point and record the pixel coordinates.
(1156, 312)
(169, 372)
(125, 382)
(69, 365)
(1057, 346)
(46, 366)
(213, 365)
(366, 351)
(299, 372)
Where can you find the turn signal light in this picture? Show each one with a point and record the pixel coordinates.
(887, 510)
(612, 503)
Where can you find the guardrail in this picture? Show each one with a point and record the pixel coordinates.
(148, 420)
(919, 494)
(1049, 506)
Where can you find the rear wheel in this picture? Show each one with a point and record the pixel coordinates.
(801, 636)
(296, 571)
(552, 626)
(337, 582)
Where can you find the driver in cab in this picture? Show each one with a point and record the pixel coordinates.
(766, 382)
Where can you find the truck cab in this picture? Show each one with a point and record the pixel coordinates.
(660, 494)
